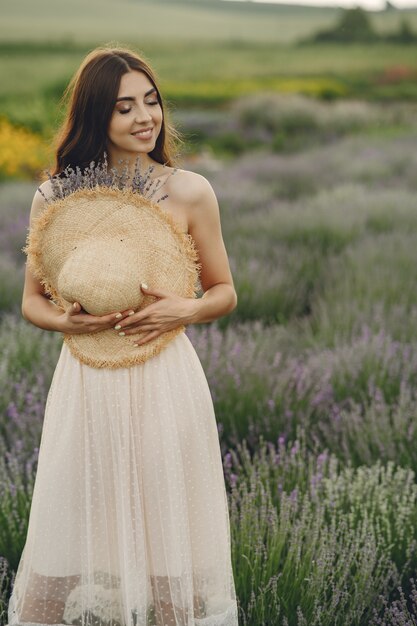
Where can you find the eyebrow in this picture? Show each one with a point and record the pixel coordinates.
(148, 93)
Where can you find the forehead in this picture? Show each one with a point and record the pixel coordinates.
(134, 83)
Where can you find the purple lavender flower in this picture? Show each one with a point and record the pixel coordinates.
(99, 174)
(233, 480)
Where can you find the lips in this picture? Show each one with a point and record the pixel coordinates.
(143, 130)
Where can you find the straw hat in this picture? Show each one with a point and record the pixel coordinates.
(96, 246)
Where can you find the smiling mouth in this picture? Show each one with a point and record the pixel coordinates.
(143, 133)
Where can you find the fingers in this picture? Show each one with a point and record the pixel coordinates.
(138, 318)
(128, 330)
(75, 309)
(147, 337)
(100, 320)
(114, 318)
(111, 320)
(120, 315)
(159, 293)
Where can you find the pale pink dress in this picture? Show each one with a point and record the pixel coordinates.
(129, 521)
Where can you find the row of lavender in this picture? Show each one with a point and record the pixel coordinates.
(324, 521)
(358, 400)
(313, 379)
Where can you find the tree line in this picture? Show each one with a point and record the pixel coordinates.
(355, 25)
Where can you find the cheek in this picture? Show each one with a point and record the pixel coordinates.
(118, 123)
(157, 115)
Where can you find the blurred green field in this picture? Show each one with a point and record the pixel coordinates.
(243, 48)
(102, 19)
(35, 74)
(30, 68)
(196, 20)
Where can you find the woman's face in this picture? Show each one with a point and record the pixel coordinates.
(137, 109)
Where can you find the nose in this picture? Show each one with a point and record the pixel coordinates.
(142, 116)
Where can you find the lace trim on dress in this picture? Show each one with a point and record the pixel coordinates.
(89, 605)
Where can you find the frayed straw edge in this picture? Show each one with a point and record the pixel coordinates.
(144, 352)
(35, 265)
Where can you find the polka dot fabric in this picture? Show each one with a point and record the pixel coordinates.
(129, 521)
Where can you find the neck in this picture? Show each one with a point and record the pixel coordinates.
(142, 159)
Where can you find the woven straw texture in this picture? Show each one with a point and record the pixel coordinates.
(95, 247)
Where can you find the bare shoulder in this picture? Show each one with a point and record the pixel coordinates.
(198, 201)
(42, 193)
(191, 189)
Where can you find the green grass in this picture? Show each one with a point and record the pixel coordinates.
(33, 67)
(134, 20)
(196, 20)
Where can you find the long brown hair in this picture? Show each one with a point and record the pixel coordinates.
(90, 97)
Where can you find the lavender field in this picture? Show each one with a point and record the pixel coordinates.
(313, 376)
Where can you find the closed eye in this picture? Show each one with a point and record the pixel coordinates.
(123, 111)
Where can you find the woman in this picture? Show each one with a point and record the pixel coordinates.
(129, 521)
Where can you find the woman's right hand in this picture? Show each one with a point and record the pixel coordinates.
(73, 322)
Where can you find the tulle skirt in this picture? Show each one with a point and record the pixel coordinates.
(129, 521)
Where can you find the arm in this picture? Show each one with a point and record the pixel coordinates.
(204, 226)
(37, 308)
(40, 311)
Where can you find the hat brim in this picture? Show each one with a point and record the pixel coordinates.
(106, 348)
(59, 226)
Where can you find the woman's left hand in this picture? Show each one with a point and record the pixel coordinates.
(166, 313)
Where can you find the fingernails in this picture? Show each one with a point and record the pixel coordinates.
(118, 327)
(118, 315)
(131, 313)
(75, 305)
(144, 285)
(122, 334)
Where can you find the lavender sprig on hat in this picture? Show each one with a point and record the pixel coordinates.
(99, 175)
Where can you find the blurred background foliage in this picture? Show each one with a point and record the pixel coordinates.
(243, 48)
